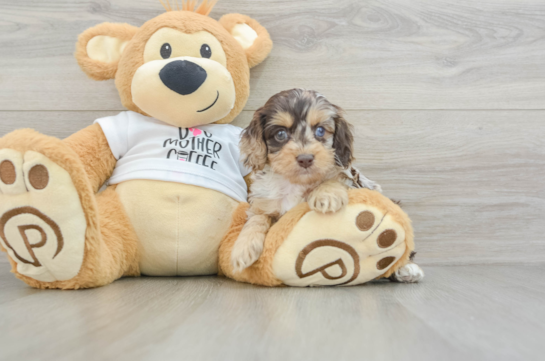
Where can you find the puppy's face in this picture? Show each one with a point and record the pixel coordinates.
(301, 135)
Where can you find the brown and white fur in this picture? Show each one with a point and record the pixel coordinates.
(298, 145)
(300, 148)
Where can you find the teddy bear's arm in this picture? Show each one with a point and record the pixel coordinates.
(91, 146)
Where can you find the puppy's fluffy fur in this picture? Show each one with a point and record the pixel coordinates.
(300, 148)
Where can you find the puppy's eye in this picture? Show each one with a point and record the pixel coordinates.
(206, 52)
(281, 135)
(166, 51)
(320, 132)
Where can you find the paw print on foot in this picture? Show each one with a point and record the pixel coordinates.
(353, 246)
(42, 223)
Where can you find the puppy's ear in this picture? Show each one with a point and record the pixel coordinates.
(343, 140)
(252, 144)
(99, 49)
(252, 36)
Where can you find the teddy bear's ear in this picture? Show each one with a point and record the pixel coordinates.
(254, 38)
(99, 48)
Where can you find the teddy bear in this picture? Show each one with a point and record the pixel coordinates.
(176, 190)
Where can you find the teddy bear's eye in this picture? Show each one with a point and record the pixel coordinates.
(166, 51)
(206, 52)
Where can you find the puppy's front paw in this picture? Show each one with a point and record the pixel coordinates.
(246, 251)
(328, 199)
(410, 273)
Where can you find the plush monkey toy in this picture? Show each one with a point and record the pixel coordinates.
(175, 200)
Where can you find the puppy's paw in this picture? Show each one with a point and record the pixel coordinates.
(328, 198)
(410, 273)
(246, 251)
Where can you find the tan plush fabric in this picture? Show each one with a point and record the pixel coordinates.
(105, 49)
(131, 43)
(111, 244)
(93, 150)
(161, 228)
(98, 69)
(38, 217)
(261, 272)
(188, 22)
(149, 92)
(179, 226)
(111, 249)
(244, 34)
(105, 258)
(261, 46)
(300, 228)
(375, 199)
(330, 249)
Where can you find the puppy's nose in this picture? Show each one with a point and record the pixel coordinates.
(305, 160)
(182, 76)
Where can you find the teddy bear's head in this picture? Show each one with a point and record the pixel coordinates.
(182, 67)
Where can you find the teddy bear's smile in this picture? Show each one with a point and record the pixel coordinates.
(184, 91)
(210, 106)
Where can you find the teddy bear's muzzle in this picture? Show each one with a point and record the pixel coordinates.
(185, 91)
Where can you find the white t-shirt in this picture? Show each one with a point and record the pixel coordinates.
(206, 156)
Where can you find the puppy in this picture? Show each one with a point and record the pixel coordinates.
(300, 148)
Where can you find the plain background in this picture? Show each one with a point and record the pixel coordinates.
(448, 101)
(447, 98)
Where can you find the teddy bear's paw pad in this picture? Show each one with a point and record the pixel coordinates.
(353, 246)
(42, 223)
(11, 172)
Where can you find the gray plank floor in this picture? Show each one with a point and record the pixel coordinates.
(492, 312)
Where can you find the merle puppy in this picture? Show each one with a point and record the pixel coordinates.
(300, 148)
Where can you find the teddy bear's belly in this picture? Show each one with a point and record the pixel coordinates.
(179, 226)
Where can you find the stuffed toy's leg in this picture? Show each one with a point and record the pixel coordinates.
(370, 238)
(57, 232)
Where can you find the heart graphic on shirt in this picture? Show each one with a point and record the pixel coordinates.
(195, 131)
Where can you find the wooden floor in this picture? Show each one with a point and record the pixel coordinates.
(488, 312)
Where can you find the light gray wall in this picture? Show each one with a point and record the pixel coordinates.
(447, 96)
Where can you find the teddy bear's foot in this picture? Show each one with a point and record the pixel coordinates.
(352, 246)
(369, 238)
(42, 223)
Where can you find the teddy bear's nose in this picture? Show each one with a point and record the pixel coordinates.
(182, 76)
